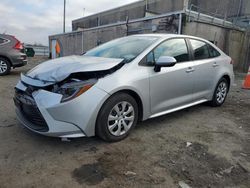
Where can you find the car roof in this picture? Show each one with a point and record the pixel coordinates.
(6, 36)
(166, 36)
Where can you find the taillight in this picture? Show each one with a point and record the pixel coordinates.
(18, 46)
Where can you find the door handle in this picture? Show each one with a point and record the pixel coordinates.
(189, 70)
(215, 64)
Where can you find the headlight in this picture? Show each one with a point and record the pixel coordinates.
(74, 89)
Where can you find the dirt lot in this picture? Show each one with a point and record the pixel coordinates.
(154, 155)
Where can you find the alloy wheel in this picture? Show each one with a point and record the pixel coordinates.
(221, 92)
(3, 66)
(121, 118)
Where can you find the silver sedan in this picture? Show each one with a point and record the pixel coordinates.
(110, 88)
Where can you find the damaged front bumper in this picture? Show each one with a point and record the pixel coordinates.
(42, 112)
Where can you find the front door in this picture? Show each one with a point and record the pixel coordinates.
(172, 87)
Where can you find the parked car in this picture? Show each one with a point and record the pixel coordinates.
(110, 88)
(11, 54)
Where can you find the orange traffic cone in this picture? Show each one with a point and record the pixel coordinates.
(246, 84)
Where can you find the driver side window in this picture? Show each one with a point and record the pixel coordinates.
(176, 48)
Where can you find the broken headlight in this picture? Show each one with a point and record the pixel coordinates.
(74, 88)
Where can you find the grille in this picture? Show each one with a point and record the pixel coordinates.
(30, 112)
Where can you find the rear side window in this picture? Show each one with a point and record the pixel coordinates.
(3, 40)
(200, 49)
(213, 52)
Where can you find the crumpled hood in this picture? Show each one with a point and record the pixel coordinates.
(59, 69)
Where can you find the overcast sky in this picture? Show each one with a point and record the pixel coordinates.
(34, 20)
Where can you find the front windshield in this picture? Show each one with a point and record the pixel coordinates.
(127, 48)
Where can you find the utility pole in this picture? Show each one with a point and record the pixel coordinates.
(83, 12)
(239, 11)
(64, 10)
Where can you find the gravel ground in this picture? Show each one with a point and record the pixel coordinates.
(154, 155)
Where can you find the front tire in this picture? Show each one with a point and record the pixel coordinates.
(220, 93)
(117, 117)
(4, 66)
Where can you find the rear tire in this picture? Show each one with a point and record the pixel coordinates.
(220, 93)
(117, 117)
(5, 66)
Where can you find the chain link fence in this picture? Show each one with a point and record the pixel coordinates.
(235, 11)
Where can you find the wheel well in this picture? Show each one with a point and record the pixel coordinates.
(4, 57)
(228, 80)
(137, 99)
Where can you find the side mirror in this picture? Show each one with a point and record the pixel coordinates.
(164, 61)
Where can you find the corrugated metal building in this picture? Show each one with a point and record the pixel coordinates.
(219, 21)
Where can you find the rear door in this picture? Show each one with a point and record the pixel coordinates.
(4, 44)
(206, 67)
(173, 86)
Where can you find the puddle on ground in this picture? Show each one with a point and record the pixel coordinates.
(90, 174)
